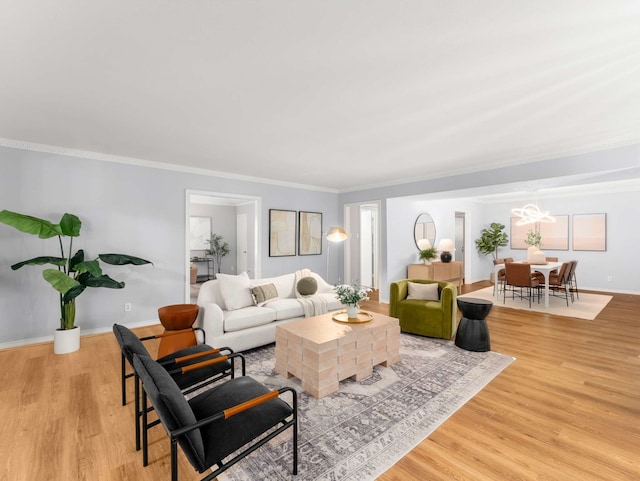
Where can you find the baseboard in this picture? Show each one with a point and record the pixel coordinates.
(88, 332)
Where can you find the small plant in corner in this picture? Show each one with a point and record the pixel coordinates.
(72, 274)
(491, 239)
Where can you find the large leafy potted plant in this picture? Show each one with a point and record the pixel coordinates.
(491, 239)
(218, 250)
(71, 274)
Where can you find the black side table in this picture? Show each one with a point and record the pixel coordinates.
(473, 332)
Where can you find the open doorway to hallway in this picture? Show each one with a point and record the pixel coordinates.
(362, 250)
(236, 219)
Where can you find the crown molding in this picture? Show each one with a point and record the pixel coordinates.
(87, 154)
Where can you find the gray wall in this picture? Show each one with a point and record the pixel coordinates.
(124, 208)
(141, 211)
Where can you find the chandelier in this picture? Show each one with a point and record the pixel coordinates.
(530, 214)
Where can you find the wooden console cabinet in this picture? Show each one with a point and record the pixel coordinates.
(438, 271)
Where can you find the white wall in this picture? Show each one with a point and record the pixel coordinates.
(405, 204)
(619, 262)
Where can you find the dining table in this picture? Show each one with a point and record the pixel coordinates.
(545, 269)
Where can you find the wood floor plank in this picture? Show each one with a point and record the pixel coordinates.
(568, 408)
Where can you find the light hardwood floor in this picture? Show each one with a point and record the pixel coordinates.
(567, 409)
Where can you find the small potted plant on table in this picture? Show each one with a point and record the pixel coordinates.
(351, 296)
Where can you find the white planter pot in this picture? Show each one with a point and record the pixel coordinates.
(352, 311)
(66, 340)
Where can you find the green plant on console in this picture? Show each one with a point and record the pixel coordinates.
(492, 238)
(428, 254)
(73, 274)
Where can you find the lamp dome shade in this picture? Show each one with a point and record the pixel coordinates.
(424, 244)
(446, 245)
(336, 234)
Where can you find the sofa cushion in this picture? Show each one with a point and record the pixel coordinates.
(286, 308)
(423, 292)
(248, 317)
(285, 284)
(264, 293)
(307, 286)
(235, 290)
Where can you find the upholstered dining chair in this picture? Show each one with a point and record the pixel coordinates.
(520, 277)
(219, 366)
(573, 282)
(559, 282)
(222, 425)
(501, 276)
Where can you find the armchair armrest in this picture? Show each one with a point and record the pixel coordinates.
(209, 362)
(237, 409)
(398, 292)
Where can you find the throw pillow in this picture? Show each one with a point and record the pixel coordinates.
(307, 286)
(423, 292)
(264, 293)
(235, 290)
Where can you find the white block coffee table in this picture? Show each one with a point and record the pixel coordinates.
(322, 352)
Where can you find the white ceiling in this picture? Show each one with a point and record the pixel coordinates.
(336, 94)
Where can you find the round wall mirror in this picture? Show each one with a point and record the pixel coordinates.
(424, 228)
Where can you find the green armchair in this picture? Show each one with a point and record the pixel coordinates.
(426, 318)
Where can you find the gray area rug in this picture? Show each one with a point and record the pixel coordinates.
(366, 427)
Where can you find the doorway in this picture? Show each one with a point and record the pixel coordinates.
(362, 250)
(237, 219)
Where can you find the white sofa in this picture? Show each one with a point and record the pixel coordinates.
(252, 326)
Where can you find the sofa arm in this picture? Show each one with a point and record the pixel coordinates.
(211, 320)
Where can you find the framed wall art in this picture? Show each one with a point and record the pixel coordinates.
(199, 232)
(555, 235)
(589, 232)
(519, 234)
(309, 233)
(282, 233)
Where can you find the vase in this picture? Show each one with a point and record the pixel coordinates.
(352, 311)
(66, 340)
(426, 262)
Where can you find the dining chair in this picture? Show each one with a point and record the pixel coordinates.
(573, 282)
(560, 282)
(520, 277)
(500, 276)
(221, 426)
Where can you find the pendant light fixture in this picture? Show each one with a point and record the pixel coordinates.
(531, 213)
